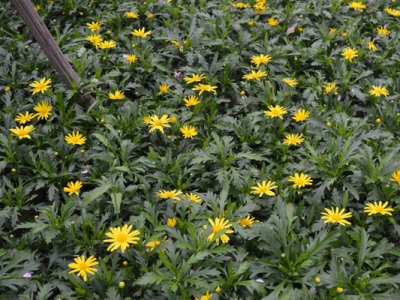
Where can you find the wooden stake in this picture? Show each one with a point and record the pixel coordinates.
(48, 44)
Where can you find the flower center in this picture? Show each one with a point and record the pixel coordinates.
(217, 228)
(379, 209)
(336, 217)
(121, 237)
(82, 266)
(158, 123)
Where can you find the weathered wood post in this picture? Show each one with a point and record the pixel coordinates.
(48, 44)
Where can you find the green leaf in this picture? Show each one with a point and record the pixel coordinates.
(93, 194)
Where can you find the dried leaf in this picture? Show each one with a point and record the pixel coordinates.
(291, 29)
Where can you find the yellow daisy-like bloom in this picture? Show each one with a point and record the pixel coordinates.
(378, 208)
(22, 119)
(300, 180)
(107, 44)
(163, 88)
(159, 124)
(94, 26)
(264, 188)
(272, 22)
(246, 222)
(95, 39)
(191, 101)
(255, 75)
(396, 177)
(73, 188)
(163, 194)
(152, 245)
(117, 95)
(188, 131)
(392, 12)
(382, 31)
(75, 138)
(171, 222)
(344, 34)
(131, 15)
(259, 8)
(207, 296)
(356, 5)
(290, 81)
(147, 120)
(333, 30)
(377, 91)
(260, 59)
(371, 46)
(218, 225)
(205, 88)
(275, 112)
(240, 5)
(121, 237)
(177, 44)
(334, 216)
(40, 86)
(349, 53)
(330, 87)
(43, 110)
(293, 139)
(83, 266)
(301, 115)
(193, 198)
(131, 58)
(37, 7)
(23, 131)
(194, 78)
(140, 33)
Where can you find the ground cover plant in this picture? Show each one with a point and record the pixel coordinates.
(232, 150)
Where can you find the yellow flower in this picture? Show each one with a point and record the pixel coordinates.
(94, 26)
(392, 12)
(95, 39)
(378, 208)
(273, 22)
(344, 34)
(153, 244)
(193, 198)
(131, 15)
(260, 59)
(83, 266)
(159, 124)
(396, 177)
(75, 138)
(22, 119)
(218, 289)
(275, 112)
(246, 222)
(117, 95)
(300, 115)
(259, 8)
(205, 88)
(173, 119)
(330, 87)
(163, 88)
(218, 225)
(194, 78)
(171, 222)
(43, 110)
(339, 290)
(371, 46)
(23, 132)
(107, 44)
(207, 296)
(382, 31)
(300, 180)
(290, 81)
(255, 75)
(191, 101)
(164, 194)
(73, 188)
(293, 139)
(178, 44)
(349, 53)
(356, 5)
(140, 33)
(333, 30)
(378, 91)
(147, 120)
(240, 5)
(188, 131)
(131, 58)
(251, 22)
(121, 237)
(40, 86)
(37, 7)
(264, 188)
(334, 216)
